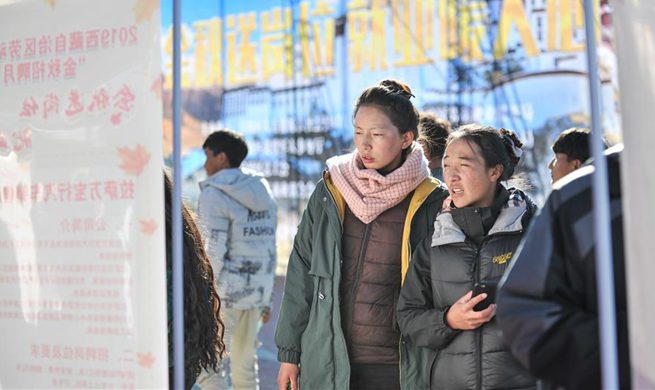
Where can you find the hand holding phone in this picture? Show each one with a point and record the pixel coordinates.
(461, 315)
(487, 287)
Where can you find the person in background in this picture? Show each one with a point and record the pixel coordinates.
(571, 150)
(547, 302)
(203, 328)
(239, 220)
(337, 327)
(475, 235)
(432, 135)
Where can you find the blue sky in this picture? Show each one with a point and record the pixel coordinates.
(193, 10)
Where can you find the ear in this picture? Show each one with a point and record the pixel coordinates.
(408, 138)
(577, 164)
(221, 159)
(495, 173)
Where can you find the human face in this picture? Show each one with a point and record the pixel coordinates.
(378, 142)
(215, 163)
(561, 166)
(470, 182)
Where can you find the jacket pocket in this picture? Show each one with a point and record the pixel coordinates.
(318, 298)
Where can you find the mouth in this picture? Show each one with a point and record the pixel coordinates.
(456, 191)
(367, 160)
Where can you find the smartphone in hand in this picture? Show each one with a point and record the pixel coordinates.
(487, 287)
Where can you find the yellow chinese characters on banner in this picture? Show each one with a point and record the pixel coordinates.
(366, 33)
(413, 23)
(207, 48)
(317, 31)
(276, 43)
(289, 42)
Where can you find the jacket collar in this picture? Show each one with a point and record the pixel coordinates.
(510, 219)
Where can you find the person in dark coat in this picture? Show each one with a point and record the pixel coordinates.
(571, 151)
(474, 237)
(547, 303)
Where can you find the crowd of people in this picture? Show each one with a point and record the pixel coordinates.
(415, 264)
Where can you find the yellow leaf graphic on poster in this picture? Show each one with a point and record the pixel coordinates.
(133, 160)
(51, 3)
(148, 226)
(144, 9)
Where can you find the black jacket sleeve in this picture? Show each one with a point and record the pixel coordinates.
(418, 317)
(541, 305)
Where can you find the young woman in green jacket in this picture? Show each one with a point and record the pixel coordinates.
(337, 327)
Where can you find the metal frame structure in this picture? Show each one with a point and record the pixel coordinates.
(602, 234)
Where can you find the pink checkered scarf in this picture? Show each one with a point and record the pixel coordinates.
(367, 192)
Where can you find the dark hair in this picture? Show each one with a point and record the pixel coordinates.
(497, 146)
(203, 327)
(392, 97)
(229, 142)
(574, 143)
(433, 133)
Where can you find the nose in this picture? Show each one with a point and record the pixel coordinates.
(366, 141)
(450, 174)
(551, 163)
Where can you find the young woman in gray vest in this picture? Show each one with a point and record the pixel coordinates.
(475, 234)
(337, 327)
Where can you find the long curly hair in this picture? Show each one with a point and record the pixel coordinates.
(203, 327)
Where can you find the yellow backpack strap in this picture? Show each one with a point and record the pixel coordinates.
(420, 194)
(336, 195)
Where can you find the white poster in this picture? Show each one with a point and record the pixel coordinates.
(635, 33)
(82, 257)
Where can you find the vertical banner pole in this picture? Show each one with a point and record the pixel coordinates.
(178, 269)
(602, 233)
(345, 117)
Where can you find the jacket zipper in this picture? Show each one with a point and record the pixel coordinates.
(358, 273)
(478, 331)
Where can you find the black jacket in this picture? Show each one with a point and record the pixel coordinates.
(443, 269)
(547, 306)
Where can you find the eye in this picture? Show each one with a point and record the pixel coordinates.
(378, 134)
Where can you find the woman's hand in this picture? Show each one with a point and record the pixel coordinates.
(461, 315)
(288, 374)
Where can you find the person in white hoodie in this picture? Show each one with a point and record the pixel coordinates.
(238, 217)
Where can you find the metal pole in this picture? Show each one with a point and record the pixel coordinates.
(602, 233)
(223, 63)
(346, 121)
(178, 269)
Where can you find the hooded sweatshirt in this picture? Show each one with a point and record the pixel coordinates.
(238, 217)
